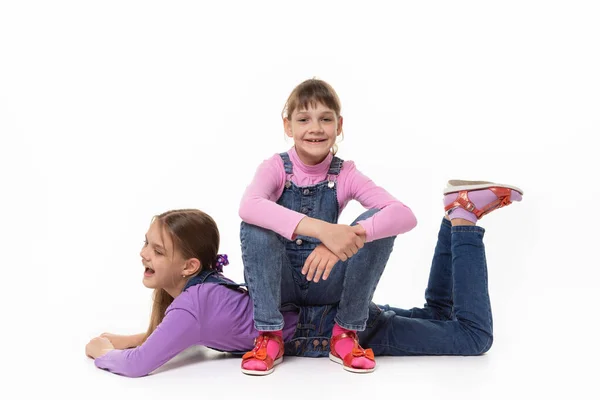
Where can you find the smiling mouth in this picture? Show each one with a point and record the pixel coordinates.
(315, 140)
(148, 272)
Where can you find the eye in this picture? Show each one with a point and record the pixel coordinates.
(145, 243)
(158, 253)
(327, 119)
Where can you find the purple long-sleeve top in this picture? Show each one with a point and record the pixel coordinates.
(209, 314)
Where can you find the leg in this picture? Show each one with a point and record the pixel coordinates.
(470, 333)
(352, 283)
(438, 295)
(264, 258)
(268, 273)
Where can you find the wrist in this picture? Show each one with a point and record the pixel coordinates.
(311, 227)
(319, 227)
(104, 351)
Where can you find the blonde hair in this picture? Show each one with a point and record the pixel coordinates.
(194, 235)
(311, 92)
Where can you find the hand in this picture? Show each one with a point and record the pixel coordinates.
(360, 231)
(98, 346)
(118, 341)
(320, 261)
(344, 241)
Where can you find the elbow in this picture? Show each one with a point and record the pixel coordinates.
(411, 219)
(244, 211)
(131, 372)
(407, 219)
(134, 372)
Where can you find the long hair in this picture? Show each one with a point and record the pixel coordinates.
(195, 235)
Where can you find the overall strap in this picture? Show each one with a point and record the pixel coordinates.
(212, 276)
(336, 166)
(287, 163)
(334, 170)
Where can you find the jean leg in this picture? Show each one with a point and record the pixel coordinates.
(264, 257)
(438, 295)
(358, 278)
(470, 333)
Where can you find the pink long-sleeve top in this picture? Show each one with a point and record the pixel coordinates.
(259, 207)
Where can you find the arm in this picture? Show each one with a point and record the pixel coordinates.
(394, 217)
(258, 205)
(176, 332)
(344, 241)
(122, 342)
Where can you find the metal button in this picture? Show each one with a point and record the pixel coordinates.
(304, 210)
(299, 242)
(306, 191)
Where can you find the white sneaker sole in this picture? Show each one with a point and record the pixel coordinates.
(454, 186)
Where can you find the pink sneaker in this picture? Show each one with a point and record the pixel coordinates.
(485, 196)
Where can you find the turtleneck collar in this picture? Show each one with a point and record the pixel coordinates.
(318, 169)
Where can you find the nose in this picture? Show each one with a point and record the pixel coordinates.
(142, 254)
(316, 126)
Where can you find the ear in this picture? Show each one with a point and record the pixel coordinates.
(191, 267)
(340, 124)
(287, 127)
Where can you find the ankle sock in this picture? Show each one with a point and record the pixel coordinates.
(272, 351)
(346, 345)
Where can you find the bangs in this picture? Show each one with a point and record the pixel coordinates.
(310, 94)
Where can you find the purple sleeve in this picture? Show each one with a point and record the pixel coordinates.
(175, 333)
(393, 218)
(258, 205)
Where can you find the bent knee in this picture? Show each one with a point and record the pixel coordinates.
(482, 343)
(258, 235)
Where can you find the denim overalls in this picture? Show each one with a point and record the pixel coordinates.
(212, 276)
(273, 264)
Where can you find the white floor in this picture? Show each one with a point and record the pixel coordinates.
(114, 111)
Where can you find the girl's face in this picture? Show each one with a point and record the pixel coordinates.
(163, 265)
(314, 131)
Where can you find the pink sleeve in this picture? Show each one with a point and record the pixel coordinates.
(258, 205)
(177, 331)
(393, 218)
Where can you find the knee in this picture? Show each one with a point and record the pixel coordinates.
(487, 345)
(256, 236)
(481, 344)
(367, 214)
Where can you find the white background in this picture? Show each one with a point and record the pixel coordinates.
(114, 111)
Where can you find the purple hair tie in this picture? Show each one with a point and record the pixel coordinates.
(221, 261)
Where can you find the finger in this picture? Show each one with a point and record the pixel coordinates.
(330, 264)
(312, 268)
(307, 263)
(360, 242)
(341, 255)
(348, 253)
(358, 229)
(309, 260)
(320, 270)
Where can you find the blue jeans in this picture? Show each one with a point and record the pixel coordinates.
(272, 270)
(456, 319)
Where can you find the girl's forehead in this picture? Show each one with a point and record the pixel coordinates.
(316, 106)
(157, 234)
